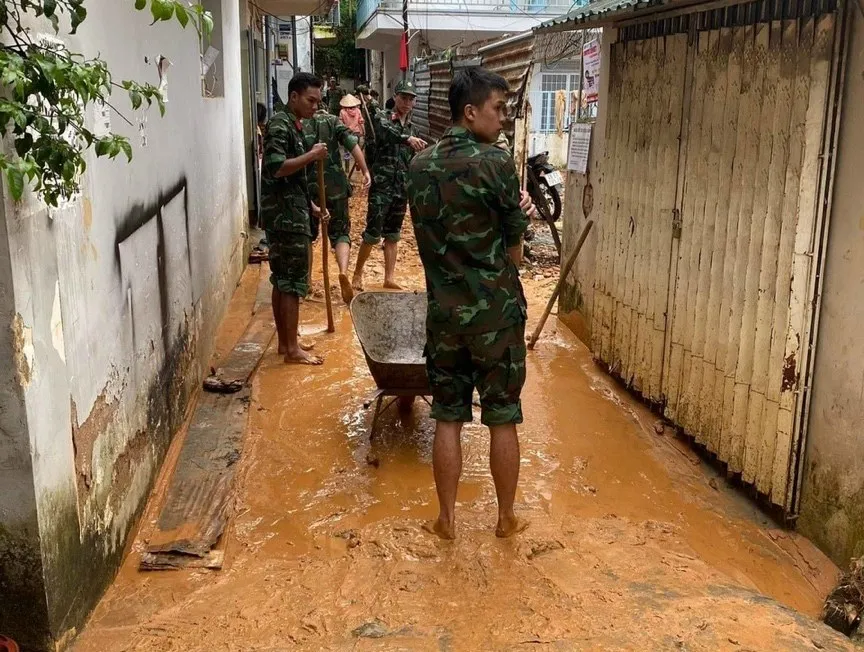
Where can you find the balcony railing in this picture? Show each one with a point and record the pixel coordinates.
(366, 8)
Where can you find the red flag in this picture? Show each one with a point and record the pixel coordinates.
(403, 52)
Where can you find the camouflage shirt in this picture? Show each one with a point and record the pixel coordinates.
(284, 200)
(464, 198)
(334, 96)
(328, 129)
(392, 151)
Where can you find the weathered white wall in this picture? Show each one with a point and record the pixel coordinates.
(832, 501)
(577, 294)
(121, 292)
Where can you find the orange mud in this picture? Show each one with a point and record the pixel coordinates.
(634, 543)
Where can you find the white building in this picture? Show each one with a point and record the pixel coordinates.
(437, 25)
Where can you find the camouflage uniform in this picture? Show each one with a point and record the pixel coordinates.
(328, 129)
(387, 198)
(334, 96)
(285, 206)
(464, 198)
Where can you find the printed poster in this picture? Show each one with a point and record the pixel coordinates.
(580, 143)
(591, 71)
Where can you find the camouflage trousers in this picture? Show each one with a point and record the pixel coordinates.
(386, 214)
(492, 362)
(289, 262)
(339, 227)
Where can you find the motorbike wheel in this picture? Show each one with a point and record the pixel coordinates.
(553, 200)
(541, 203)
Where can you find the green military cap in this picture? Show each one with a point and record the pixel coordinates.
(405, 87)
(362, 89)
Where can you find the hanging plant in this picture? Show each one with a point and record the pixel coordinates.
(46, 89)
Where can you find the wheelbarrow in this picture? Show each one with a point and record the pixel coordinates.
(391, 327)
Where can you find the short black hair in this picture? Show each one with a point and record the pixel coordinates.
(303, 80)
(262, 113)
(373, 93)
(389, 104)
(473, 86)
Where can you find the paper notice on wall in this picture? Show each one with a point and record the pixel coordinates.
(580, 144)
(591, 71)
(101, 119)
(208, 59)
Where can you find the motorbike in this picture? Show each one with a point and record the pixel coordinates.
(544, 186)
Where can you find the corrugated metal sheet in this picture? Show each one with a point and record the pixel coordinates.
(737, 285)
(422, 83)
(439, 108)
(594, 12)
(511, 58)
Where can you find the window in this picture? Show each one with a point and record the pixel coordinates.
(550, 84)
(212, 57)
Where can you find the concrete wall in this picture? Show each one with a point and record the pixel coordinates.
(577, 293)
(109, 317)
(832, 501)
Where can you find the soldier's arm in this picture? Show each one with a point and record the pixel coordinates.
(386, 132)
(507, 195)
(276, 152)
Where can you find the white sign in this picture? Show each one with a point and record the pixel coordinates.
(591, 71)
(580, 143)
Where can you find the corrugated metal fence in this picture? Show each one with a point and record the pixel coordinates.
(422, 83)
(704, 272)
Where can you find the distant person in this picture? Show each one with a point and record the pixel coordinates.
(390, 104)
(374, 106)
(329, 130)
(262, 127)
(335, 93)
(352, 117)
(469, 217)
(396, 141)
(287, 207)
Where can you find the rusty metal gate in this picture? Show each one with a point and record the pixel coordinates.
(705, 269)
(422, 83)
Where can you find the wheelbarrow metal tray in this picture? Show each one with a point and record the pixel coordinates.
(391, 327)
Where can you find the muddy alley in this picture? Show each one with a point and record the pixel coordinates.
(634, 543)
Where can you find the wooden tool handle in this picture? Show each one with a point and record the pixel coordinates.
(325, 247)
(564, 272)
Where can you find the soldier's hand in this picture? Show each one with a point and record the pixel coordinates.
(325, 216)
(527, 205)
(417, 143)
(367, 179)
(318, 151)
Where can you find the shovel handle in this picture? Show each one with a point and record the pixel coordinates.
(325, 247)
(564, 272)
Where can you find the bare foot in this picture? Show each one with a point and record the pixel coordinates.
(392, 285)
(508, 527)
(357, 283)
(306, 346)
(440, 529)
(345, 287)
(301, 357)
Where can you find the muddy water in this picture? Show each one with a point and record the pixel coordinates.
(634, 544)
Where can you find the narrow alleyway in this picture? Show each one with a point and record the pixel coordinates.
(634, 544)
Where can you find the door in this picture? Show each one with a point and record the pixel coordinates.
(706, 258)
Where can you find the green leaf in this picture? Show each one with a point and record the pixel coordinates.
(140, 4)
(49, 6)
(102, 147)
(15, 177)
(55, 23)
(79, 14)
(135, 98)
(182, 15)
(207, 23)
(127, 149)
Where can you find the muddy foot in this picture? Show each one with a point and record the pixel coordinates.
(301, 357)
(345, 287)
(357, 283)
(440, 529)
(509, 527)
(392, 285)
(306, 346)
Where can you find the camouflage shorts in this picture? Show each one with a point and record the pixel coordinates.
(339, 228)
(289, 262)
(385, 215)
(493, 362)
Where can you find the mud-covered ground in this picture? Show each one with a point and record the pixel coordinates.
(634, 543)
